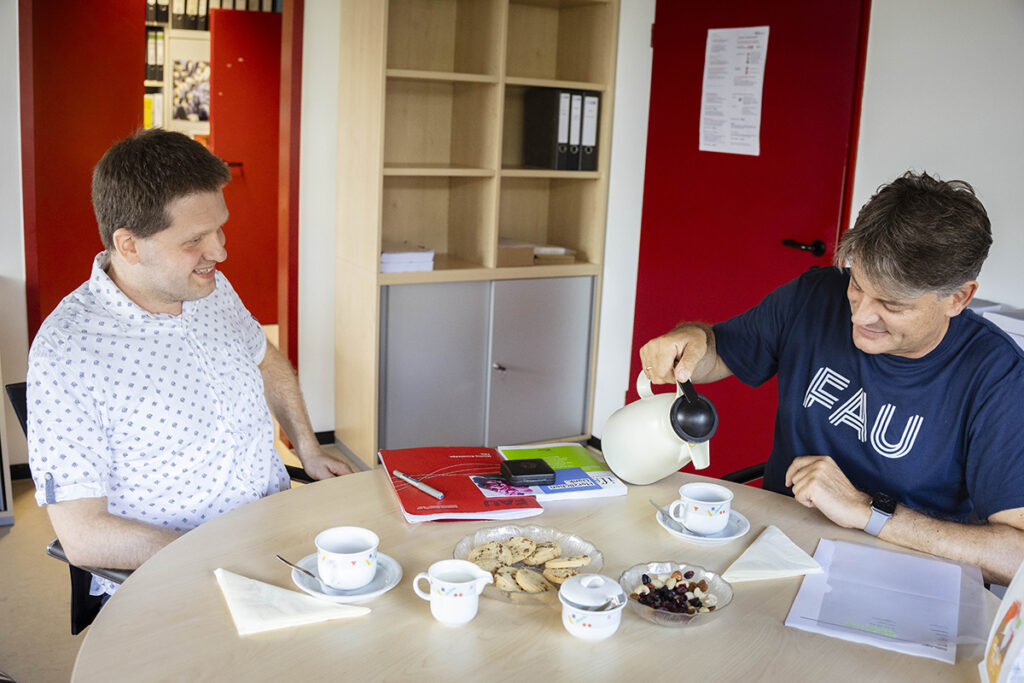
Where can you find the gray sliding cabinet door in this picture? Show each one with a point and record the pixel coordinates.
(540, 350)
(433, 360)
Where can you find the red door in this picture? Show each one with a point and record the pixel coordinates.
(245, 84)
(713, 223)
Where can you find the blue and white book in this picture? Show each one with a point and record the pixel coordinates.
(578, 472)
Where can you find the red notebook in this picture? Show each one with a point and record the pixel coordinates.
(451, 470)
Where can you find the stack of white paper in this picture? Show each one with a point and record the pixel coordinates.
(404, 257)
(878, 597)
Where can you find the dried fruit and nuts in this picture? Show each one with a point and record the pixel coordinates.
(675, 592)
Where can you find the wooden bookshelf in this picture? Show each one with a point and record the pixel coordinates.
(430, 137)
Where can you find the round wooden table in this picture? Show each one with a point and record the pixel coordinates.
(169, 620)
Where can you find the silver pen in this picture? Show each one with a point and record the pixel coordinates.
(429, 490)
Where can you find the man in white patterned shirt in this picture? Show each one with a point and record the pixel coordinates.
(149, 385)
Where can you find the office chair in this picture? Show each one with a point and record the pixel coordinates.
(745, 475)
(84, 607)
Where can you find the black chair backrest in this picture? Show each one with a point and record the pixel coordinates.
(16, 392)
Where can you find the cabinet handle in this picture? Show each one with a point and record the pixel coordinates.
(499, 367)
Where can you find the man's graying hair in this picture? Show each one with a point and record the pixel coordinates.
(919, 234)
(139, 176)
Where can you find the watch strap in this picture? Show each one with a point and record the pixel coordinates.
(877, 521)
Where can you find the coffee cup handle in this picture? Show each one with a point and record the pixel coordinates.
(416, 585)
(678, 516)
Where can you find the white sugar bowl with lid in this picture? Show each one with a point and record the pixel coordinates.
(591, 606)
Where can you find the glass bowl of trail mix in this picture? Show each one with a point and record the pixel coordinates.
(673, 594)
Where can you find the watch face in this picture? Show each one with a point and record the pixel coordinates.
(883, 502)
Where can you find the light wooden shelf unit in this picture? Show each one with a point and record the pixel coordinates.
(430, 136)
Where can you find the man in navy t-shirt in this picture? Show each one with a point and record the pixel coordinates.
(898, 408)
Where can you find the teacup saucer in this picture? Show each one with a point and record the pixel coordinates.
(736, 527)
(389, 573)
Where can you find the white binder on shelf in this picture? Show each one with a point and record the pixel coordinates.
(588, 133)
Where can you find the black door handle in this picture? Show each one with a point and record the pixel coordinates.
(817, 247)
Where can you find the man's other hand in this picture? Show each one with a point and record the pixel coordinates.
(320, 465)
(818, 482)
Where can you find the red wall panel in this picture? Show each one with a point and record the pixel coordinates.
(245, 86)
(83, 65)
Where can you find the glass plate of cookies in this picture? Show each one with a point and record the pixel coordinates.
(528, 563)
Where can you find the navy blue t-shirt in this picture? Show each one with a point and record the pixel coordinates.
(941, 433)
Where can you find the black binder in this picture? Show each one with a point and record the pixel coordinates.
(150, 10)
(589, 130)
(150, 53)
(192, 14)
(163, 11)
(158, 70)
(546, 128)
(178, 14)
(203, 16)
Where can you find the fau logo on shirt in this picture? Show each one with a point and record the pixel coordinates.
(853, 413)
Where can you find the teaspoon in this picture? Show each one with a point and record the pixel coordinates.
(324, 588)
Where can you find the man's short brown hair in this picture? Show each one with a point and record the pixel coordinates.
(139, 176)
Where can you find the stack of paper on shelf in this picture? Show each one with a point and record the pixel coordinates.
(578, 472)
(548, 254)
(405, 257)
(460, 474)
(1012, 322)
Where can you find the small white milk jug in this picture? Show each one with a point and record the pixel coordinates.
(640, 443)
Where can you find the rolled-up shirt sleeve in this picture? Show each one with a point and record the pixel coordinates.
(67, 442)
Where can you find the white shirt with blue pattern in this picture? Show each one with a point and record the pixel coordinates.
(164, 415)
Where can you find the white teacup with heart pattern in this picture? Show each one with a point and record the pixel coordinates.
(346, 556)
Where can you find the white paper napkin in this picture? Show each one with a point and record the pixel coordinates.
(256, 606)
(771, 556)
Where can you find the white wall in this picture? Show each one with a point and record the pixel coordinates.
(14, 326)
(943, 93)
(318, 173)
(625, 204)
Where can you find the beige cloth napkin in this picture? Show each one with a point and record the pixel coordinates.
(771, 556)
(256, 606)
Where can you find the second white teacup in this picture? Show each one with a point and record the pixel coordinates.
(455, 587)
(346, 556)
(702, 508)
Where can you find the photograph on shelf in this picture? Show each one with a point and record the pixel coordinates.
(191, 90)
